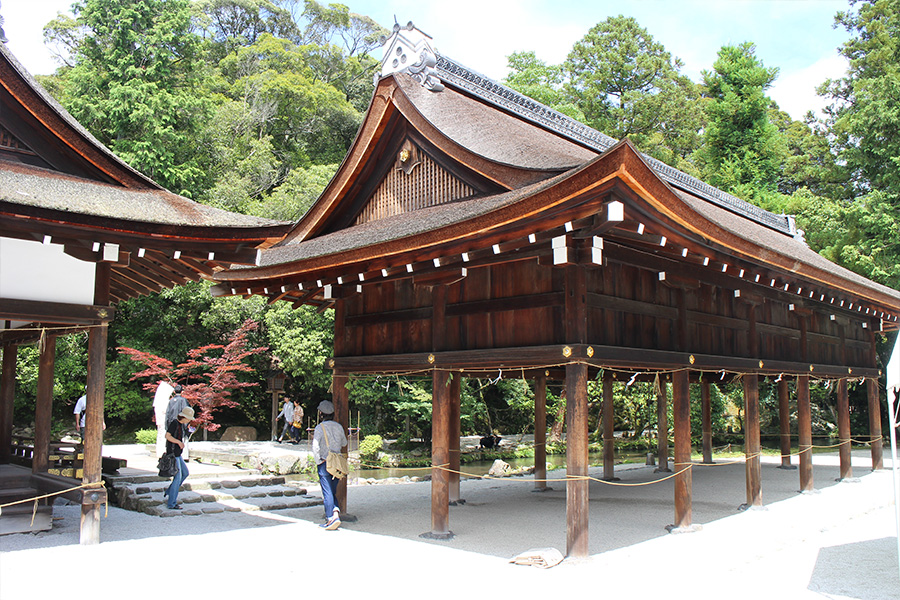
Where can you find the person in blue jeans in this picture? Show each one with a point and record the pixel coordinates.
(329, 435)
(175, 434)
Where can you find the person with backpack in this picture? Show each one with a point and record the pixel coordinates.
(176, 433)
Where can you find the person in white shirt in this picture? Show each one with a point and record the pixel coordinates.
(329, 435)
(80, 410)
(287, 411)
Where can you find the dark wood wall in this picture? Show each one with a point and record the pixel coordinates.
(521, 304)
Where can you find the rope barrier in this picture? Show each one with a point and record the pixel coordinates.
(35, 499)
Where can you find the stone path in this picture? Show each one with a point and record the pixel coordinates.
(213, 495)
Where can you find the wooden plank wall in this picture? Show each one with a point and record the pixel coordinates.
(520, 304)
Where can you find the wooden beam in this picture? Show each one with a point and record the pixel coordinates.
(875, 424)
(681, 413)
(804, 421)
(577, 500)
(43, 412)
(54, 312)
(751, 439)
(7, 400)
(843, 410)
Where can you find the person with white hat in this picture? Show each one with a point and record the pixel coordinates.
(175, 434)
(329, 436)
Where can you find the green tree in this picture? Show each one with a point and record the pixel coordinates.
(540, 81)
(230, 24)
(135, 82)
(864, 117)
(742, 151)
(627, 85)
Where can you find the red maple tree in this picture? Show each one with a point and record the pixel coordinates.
(208, 376)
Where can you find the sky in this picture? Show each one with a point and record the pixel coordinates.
(797, 36)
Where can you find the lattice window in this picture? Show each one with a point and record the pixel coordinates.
(415, 181)
(10, 142)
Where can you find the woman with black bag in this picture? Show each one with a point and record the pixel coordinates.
(175, 434)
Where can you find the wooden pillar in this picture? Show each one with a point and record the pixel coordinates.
(706, 410)
(440, 456)
(92, 499)
(577, 505)
(540, 433)
(340, 397)
(662, 428)
(43, 412)
(455, 427)
(681, 414)
(751, 439)
(784, 420)
(875, 424)
(609, 435)
(7, 400)
(843, 408)
(804, 421)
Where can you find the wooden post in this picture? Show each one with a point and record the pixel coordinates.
(540, 433)
(804, 421)
(681, 413)
(7, 401)
(93, 499)
(43, 412)
(440, 456)
(455, 427)
(577, 505)
(843, 408)
(875, 424)
(706, 409)
(751, 439)
(609, 436)
(340, 397)
(784, 419)
(662, 427)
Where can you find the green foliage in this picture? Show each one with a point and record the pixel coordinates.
(301, 340)
(370, 447)
(145, 436)
(542, 82)
(864, 118)
(627, 85)
(742, 150)
(136, 67)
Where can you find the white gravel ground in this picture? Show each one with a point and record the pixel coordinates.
(837, 543)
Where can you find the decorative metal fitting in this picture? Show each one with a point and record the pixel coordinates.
(431, 359)
(761, 363)
(567, 351)
(590, 351)
(692, 360)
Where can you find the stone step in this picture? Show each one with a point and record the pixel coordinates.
(211, 496)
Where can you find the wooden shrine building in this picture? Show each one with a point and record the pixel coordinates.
(471, 229)
(80, 231)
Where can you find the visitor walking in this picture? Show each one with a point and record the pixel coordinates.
(287, 412)
(329, 435)
(80, 410)
(176, 433)
(177, 403)
(297, 424)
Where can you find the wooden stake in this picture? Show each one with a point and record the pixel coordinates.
(577, 506)
(92, 500)
(706, 410)
(455, 427)
(662, 427)
(843, 409)
(751, 438)
(7, 400)
(784, 419)
(540, 432)
(609, 437)
(804, 418)
(43, 412)
(440, 456)
(681, 395)
(875, 424)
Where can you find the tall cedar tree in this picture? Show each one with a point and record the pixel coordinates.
(208, 376)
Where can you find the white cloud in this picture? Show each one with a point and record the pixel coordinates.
(795, 91)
